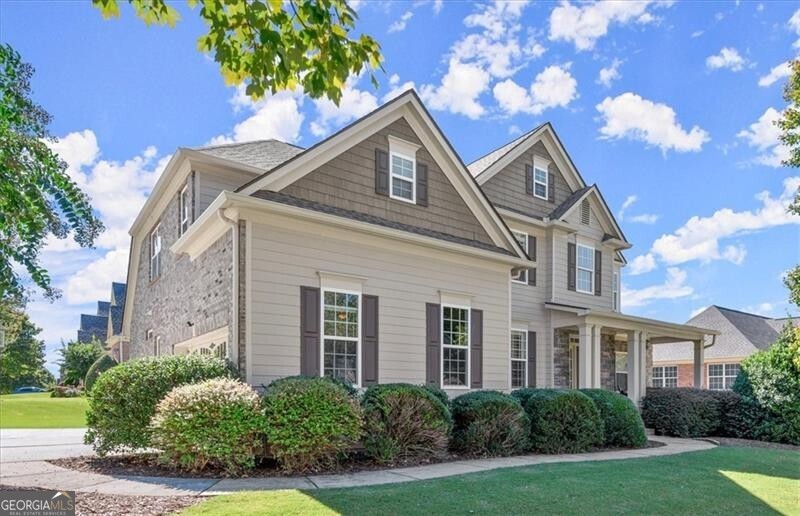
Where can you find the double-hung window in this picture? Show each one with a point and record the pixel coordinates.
(341, 316)
(585, 269)
(621, 371)
(722, 376)
(185, 209)
(455, 346)
(519, 358)
(665, 376)
(521, 276)
(155, 253)
(540, 182)
(402, 170)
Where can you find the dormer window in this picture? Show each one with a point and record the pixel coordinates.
(402, 170)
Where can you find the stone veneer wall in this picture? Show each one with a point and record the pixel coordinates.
(561, 359)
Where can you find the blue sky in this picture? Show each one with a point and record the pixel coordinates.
(667, 106)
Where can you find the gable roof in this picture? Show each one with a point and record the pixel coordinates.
(264, 154)
(485, 161)
(568, 203)
(577, 197)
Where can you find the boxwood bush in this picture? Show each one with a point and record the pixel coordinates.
(439, 393)
(489, 423)
(404, 422)
(124, 398)
(217, 423)
(563, 421)
(102, 364)
(309, 422)
(622, 425)
(681, 411)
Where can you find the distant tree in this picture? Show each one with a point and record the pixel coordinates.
(274, 45)
(37, 197)
(22, 357)
(76, 359)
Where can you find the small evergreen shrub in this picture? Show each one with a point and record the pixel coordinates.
(124, 398)
(734, 418)
(681, 411)
(524, 394)
(102, 364)
(563, 421)
(439, 394)
(309, 422)
(623, 426)
(489, 423)
(404, 422)
(216, 423)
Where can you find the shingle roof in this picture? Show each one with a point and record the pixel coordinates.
(485, 161)
(92, 325)
(102, 308)
(265, 154)
(118, 291)
(115, 315)
(371, 219)
(778, 324)
(562, 208)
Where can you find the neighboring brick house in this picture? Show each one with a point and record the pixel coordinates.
(740, 335)
(94, 326)
(115, 344)
(376, 255)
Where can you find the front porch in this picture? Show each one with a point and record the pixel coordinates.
(612, 351)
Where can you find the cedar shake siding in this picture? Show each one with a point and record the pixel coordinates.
(507, 188)
(348, 181)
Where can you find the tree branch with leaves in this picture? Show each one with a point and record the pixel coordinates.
(789, 124)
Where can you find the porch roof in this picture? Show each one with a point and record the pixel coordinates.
(659, 331)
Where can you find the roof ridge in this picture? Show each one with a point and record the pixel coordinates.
(239, 144)
(743, 312)
(509, 142)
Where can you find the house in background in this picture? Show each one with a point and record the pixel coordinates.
(378, 256)
(94, 325)
(740, 335)
(115, 344)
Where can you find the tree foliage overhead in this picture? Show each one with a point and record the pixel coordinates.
(274, 45)
(37, 197)
(789, 123)
(22, 356)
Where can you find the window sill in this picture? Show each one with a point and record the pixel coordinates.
(403, 199)
(540, 197)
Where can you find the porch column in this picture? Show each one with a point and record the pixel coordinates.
(585, 356)
(634, 364)
(643, 363)
(699, 358)
(596, 357)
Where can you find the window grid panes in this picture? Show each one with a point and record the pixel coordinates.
(402, 177)
(540, 183)
(155, 253)
(621, 371)
(519, 358)
(341, 335)
(585, 270)
(521, 276)
(722, 376)
(665, 376)
(184, 209)
(455, 344)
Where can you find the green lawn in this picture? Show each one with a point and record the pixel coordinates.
(725, 481)
(41, 411)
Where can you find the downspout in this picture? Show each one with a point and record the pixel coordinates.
(713, 341)
(234, 324)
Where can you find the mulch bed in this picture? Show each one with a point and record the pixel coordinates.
(748, 443)
(121, 505)
(148, 464)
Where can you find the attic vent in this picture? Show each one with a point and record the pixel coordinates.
(585, 212)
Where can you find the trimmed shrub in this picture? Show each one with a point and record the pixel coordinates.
(124, 398)
(65, 391)
(102, 364)
(404, 422)
(563, 421)
(524, 394)
(681, 411)
(489, 423)
(439, 394)
(734, 415)
(309, 422)
(623, 426)
(212, 423)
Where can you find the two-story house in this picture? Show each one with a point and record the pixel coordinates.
(377, 255)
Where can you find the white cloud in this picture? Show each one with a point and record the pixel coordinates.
(93, 282)
(275, 116)
(553, 87)
(699, 239)
(400, 25)
(642, 264)
(514, 130)
(728, 57)
(775, 74)
(697, 311)
(794, 24)
(396, 88)
(674, 287)
(609, 74)
(630, 116)
(437, 6)
(766, 309)
(644, 218)
(354, 104)
(629, 201)
(763, 135)
(697, 33)
(584, 25)
(459, 90)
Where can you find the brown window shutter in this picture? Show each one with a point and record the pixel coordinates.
(309, 331)
(529, 179)
(381, 172)
(572, 270)
(532, 276)
(433, 321)
(369, 340)
(551, 188)
(422, 184)
(598, 272)
(476, 349)
(531, 359)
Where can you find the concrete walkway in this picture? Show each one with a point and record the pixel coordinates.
(38, 473)
(18, 445)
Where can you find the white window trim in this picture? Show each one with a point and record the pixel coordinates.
(443, 345)
(407, 151)
(201, 341)
(158, 345)
(323, 336)
(512, 359)
(546, 181)
(662, 378)
(724, 376)
(153, 253)
(184, 211)
(525, 274)
(579, 268)
(614, 290)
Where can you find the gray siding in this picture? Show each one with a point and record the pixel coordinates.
(348, 181)
(507, 187)
(210, 184)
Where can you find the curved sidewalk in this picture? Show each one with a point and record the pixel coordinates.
(38, 473)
